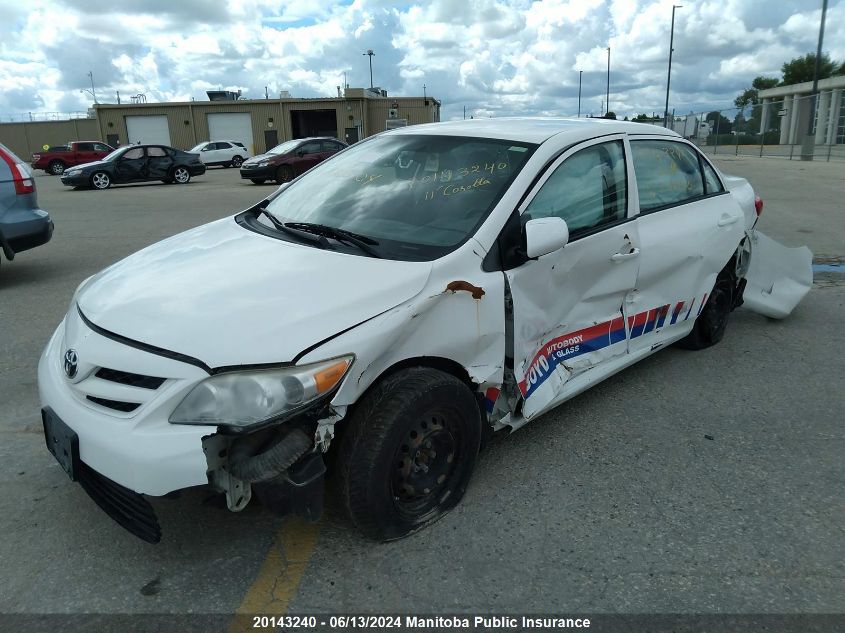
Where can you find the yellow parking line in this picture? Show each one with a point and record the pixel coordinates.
(278, 579)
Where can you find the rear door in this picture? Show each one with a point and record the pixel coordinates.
(159, 163)
(689, 227)
(569, 306)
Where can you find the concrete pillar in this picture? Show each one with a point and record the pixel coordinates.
(821, 118)
(795, 112)
(764, 115)
(785, 119)
(833, 117)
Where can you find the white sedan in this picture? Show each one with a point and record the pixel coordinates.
(395, 305)
(223, 153)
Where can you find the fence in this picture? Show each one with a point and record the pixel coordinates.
(779, 128)
(28, 117)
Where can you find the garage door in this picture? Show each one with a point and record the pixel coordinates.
(148, 129)
(231, 126)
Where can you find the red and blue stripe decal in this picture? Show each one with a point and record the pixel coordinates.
(596, 337)
(568, 346)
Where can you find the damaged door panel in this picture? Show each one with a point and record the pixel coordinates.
(778, 277)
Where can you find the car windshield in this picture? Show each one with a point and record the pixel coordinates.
(116, 153)
(419, 196)
(284, 148)
(197, 148)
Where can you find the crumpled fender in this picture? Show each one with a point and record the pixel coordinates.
(778, 277)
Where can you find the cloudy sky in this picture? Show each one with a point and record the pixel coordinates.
(495, 58)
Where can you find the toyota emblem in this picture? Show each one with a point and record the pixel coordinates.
(71, 363)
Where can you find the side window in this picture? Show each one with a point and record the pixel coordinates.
(135, 152)
(667, 173)
(156, 152)
(711, 180)
(84, 147)
(310, 148)
(239, 144)
(588, 189)
(328, 146)
(99, 147)
(223, 145)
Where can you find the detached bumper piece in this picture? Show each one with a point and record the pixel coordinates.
(127, 507)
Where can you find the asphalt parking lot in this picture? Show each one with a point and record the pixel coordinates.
(694, 482)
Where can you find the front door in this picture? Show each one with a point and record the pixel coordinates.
(159, 163)
(306, 156)
(569, 306)
(271, 139)
(131, 166)
(351, 135)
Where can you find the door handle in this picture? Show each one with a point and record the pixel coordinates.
(621, 257)
(727, 220)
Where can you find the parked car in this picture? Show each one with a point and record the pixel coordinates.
(57, 159)
(23, 224)
(223, 153)
(285, 162)
(136, 163)
(397, 304)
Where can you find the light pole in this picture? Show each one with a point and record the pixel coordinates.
(808, 149)
(93, 94)
(580, 72)
(607, 101)
(669, 75)
(370, 53)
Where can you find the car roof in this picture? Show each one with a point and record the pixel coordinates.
(533, 129)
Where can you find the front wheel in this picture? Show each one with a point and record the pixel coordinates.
(100, 180)
(181, 175)
(710, 326)
(284, 174)
(409, 451)
(237, 161)
(56, 167)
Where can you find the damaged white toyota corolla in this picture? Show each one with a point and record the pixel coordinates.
(399, 302)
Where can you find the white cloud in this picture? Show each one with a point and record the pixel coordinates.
(496, 57)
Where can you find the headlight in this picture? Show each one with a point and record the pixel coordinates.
(244, 399)
(73, 172)
(262, 163)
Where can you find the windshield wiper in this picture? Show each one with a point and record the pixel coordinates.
(308, 236)
(364, 243)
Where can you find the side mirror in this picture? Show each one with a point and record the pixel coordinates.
(544, 236)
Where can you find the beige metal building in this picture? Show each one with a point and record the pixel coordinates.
(259, 123)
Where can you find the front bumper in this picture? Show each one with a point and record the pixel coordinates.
(78, 180)
(139, 450)
(258, 173)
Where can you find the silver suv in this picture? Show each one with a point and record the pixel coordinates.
(23, 225)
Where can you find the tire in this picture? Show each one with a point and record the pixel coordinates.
(709, 327)
(56, 168)
(237, 161)
(181, 176)
(284, 174)
(258, 181)
(100, 180)
(418, 430)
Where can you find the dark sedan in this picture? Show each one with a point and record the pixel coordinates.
(136, 163)
(285, 162)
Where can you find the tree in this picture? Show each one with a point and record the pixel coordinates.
(719, 122)
(610, 115)
(801, 69)
(640, 118)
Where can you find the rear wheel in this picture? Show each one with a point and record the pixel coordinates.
(710, 326)
(100, 180)
(181, 175)
(237, 161)
(408, 453)
(56, 167)
(257, 181)
(284, 174)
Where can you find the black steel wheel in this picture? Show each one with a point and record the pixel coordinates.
(710, 326)
(284, 174)
(408, 453)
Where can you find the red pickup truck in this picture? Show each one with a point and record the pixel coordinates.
(56, 160)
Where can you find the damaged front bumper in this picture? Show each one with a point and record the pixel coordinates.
(778, 277)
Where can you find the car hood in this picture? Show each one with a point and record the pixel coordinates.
(228, 296)
(260, 157)
(92, 165)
